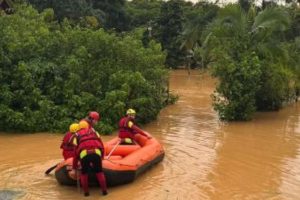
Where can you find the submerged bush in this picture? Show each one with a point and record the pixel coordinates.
(234, 98)
(52, 74)
(256, 66)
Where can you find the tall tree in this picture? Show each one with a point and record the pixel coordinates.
(111, 14)
(197, 20)
(142, 12)
(72, 9)
(115, 15)
(168, 30)
(251, 61)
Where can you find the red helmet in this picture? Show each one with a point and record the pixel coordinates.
(94, 115)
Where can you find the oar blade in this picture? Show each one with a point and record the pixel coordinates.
(50, 169)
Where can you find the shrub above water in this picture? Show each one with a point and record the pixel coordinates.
(53, 74)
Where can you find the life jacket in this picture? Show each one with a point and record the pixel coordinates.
(124, 130)
(67, 144)
(88, 141)
(92, 129)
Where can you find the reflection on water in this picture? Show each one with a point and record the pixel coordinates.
(205, 158)
(251, 162)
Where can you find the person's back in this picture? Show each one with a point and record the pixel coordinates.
(87, 139)
(89, 151)
(92, 119)
(67, 144)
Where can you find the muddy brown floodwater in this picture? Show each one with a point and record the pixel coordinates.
(205, 158)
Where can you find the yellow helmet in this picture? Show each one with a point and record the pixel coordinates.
(83, 124)
(130, 111)
(74, 128)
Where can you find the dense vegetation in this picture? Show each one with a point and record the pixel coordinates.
(110, 55)
(52, 74)
(256, 62)
(99, 13)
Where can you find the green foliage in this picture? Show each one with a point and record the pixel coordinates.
(52, 75)
(276, 87)
(269, 22)
(294, 30)
(115, 16)
(259, 67)
(194, 37)
(142, 12)
(90, 13)
(168, 29)
(74, 9)
(234, 98)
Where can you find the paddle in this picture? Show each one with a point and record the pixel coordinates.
(78, 180)
(148, 135)
(50, 169)
(113, 149)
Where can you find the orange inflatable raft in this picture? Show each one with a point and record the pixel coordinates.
(123, 165)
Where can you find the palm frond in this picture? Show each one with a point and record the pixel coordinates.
(272, 19)
(273, 50)
(231, 21)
